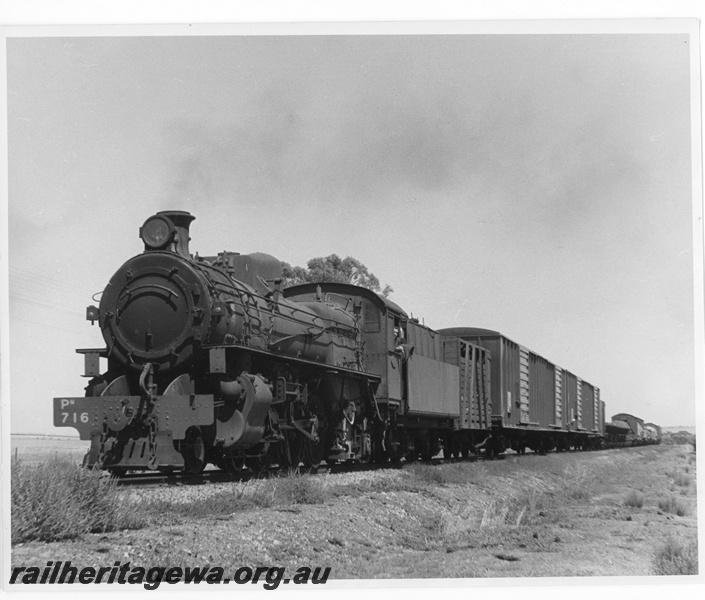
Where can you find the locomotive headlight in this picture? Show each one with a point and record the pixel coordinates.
(157, 232)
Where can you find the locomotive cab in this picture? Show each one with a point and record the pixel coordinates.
(419, 392)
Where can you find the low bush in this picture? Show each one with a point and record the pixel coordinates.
(681, 479)
(673, 505)
(634, 499)
(58, 500)
(674, 557)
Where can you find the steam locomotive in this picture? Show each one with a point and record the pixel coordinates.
(211, 360)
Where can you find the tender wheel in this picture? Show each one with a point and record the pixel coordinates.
(426, 451)
(193, 449)
(448, 447)
(464, 448)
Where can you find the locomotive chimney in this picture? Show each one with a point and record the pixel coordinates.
(182, 221)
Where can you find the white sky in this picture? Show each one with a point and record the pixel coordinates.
(539, 185)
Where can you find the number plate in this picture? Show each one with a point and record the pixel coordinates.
(76, 413)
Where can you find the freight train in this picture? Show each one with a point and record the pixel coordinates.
(210, 359)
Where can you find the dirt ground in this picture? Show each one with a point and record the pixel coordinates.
(580, 514)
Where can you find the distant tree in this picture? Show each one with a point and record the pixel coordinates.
(333, 269)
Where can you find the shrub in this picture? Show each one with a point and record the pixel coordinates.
(59, 500)
(634, 499)
(673, 505)
(676, 558)
(682, 479)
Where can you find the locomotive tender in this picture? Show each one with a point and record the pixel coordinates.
(211, 360)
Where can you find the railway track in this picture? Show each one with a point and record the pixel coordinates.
(156, 478)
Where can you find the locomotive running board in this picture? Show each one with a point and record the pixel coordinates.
(218, 361)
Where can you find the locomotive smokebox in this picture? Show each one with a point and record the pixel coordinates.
(168, 229)
(156, 307)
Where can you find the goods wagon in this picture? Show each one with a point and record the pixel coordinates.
(617, 433)
(638, 434)
(656, 433)
(535, 403)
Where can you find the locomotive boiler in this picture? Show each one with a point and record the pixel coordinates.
(208, 362)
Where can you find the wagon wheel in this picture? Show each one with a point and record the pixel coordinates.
(426, 450)
(193, 449)
(412, 455)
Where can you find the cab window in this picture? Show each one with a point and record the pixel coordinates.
(372, 317)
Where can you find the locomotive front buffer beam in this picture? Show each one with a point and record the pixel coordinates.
(130, 432)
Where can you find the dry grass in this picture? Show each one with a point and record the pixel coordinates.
(517, 511)
(455, 473)
(294, 488)
(58, 500)
(286, 490)
(674, 557)
(577, 482)
(431, 531)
